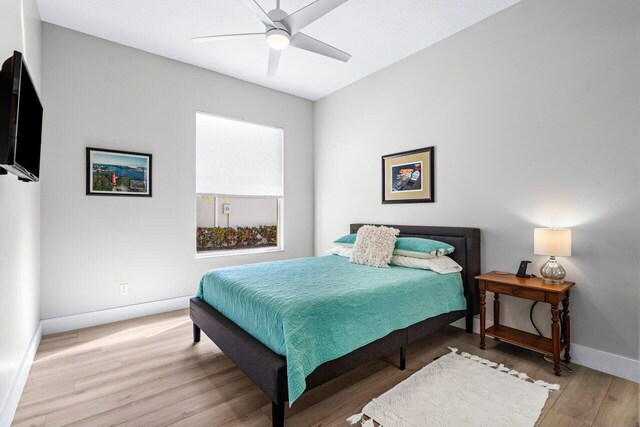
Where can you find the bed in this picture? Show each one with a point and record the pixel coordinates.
(294, 308)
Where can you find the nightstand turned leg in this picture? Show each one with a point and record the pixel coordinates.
(483, 314)
(496, 310)
(566, 320)
(555, 337)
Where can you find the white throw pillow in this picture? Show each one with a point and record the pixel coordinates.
(341, 251)
(442, 265)
(374, 246)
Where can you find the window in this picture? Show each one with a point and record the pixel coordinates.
(239, 186)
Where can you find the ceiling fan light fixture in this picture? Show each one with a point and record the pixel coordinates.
(277, 39)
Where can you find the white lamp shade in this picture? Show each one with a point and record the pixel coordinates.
(552, 241)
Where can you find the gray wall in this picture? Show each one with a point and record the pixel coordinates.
(111, 96)
(19, 221)
(534, 115)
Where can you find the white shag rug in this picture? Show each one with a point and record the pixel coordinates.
(459, 390)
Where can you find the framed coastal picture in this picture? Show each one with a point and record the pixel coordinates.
(407, 177)
(118, 173)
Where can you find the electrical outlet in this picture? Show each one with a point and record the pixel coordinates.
(226, 208)
(124, 289)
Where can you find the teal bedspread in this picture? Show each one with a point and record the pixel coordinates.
(313, 310)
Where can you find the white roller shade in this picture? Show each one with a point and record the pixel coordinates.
(237, 158)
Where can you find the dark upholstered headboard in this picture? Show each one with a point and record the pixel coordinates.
(467, 254)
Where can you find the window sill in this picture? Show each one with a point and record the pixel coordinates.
(237, 252)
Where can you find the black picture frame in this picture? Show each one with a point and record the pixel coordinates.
(426, 158)
(89, 173)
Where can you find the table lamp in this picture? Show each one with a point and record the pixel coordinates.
(553, 242)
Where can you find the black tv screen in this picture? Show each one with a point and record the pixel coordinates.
(20, 120)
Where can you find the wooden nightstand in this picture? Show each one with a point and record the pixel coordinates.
(532, 289)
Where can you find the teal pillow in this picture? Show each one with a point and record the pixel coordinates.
(421, 248)
(407, 246)
(347, 240)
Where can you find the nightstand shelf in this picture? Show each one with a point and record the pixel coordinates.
(533, 289)
(521, 338)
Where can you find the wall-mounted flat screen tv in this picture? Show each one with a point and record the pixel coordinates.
(20, 120)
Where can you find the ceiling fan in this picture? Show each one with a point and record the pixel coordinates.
(282, 30)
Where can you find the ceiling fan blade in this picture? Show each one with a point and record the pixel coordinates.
(274, 60)
(259, 12)
(305, 16)
(303, 41)
(224, 37)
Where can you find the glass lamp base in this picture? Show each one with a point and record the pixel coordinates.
(552, 272)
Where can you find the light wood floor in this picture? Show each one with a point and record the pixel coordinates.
(147, 372)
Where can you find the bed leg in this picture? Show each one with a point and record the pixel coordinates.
(196, 333)
(469, 323)
(403, 358)
(277, 414)
(469, 317)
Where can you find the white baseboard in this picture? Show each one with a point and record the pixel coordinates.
(8, 408)
(620, 366)
(610, 363)
(101, 317)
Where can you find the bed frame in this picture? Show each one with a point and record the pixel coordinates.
(268, 370)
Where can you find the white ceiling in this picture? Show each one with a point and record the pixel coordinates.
(376, 33)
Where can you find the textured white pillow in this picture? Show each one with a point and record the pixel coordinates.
(442, 265)
(374, 246)
(341, 251)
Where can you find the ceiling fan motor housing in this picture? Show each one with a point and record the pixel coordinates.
(277, 38)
